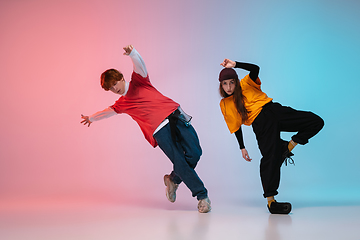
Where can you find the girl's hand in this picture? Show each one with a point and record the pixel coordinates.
(128, 49)
(245, 155)
(86, 120)
(227, 63)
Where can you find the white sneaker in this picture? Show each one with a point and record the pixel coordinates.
(171, 188)
(204, 205)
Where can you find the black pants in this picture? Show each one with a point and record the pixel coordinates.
(273, 119)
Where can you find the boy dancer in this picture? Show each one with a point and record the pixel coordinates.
(162, 122)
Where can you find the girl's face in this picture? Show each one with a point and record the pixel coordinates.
(228, 86)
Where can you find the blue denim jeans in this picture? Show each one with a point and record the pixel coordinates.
(184, 154)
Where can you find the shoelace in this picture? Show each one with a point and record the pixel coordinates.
(287, 154)
(287, 158)
(290, 160)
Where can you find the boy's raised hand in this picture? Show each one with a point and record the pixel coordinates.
(86, 120)
(227, 63)
(128, 49)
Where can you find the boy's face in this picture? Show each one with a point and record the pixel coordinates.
(118, 87)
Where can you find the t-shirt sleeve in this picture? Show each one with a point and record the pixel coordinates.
(231, 115)
(249, 81)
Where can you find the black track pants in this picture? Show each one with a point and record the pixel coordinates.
(273, 119)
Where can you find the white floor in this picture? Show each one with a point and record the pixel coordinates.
(107, 222)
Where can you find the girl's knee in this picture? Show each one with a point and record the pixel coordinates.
(320, 123)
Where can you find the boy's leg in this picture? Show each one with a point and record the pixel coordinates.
(183, 170)
(190, 144)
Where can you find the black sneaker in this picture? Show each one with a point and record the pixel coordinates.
(279, 207)
(286, 156)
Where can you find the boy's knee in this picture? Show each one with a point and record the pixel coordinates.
(193, 158)
(198, 153)
(195, 155)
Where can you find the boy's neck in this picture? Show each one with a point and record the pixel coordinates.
(126, 88)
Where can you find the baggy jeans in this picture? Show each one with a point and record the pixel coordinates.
(184, 154)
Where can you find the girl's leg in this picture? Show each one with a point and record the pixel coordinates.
(306, 124)
(267, 134)
(271, 147)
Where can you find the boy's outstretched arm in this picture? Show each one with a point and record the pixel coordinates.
(106, 113)
(138, 62)
(86, 120)
(128, 49)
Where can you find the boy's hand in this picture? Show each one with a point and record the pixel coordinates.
(128, 49)
(227, 63)
(86, 120)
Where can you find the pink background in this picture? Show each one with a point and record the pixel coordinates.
(53, 52)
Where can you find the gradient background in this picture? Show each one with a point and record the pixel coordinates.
(53, 52)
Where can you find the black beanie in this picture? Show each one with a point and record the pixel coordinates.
(227, 73)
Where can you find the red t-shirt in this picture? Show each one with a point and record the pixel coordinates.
(146, 105)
